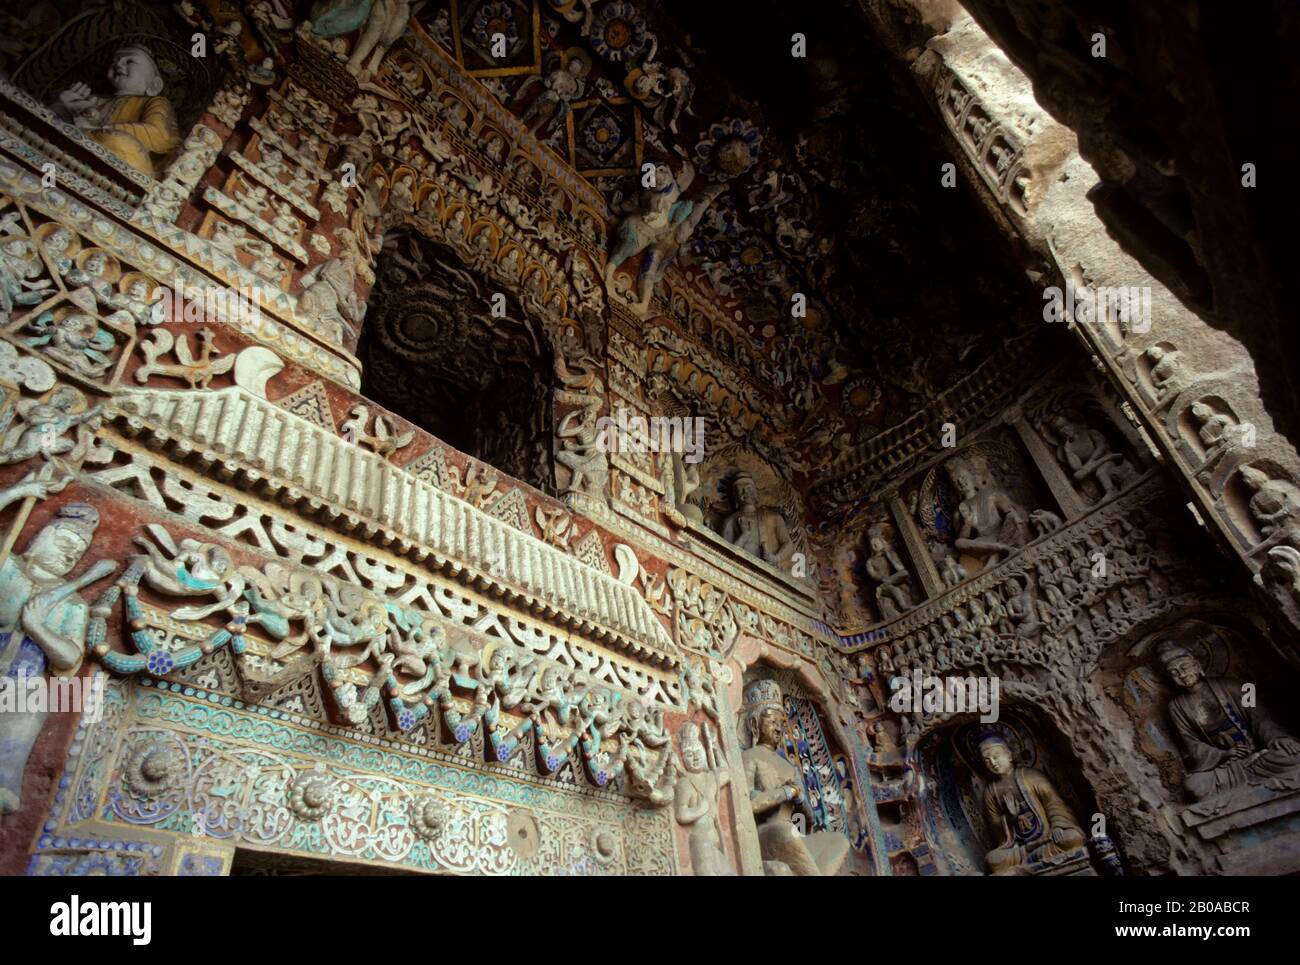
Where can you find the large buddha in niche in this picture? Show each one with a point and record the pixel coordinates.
(1228, 747)
(757, 530)
(1025, 810)
(776, 791)
(136, 123)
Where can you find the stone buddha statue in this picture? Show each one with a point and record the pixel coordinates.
(759, 531)
(776, 792)
(1228, 747)
(137, 124)
(884, 566)
(1025, 810)
(988, 519)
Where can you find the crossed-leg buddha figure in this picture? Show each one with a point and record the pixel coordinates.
(1035, 825)
(1235, 753)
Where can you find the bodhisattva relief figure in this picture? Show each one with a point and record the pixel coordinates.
(884, 566)
(47, 429)
(1228, 748)
(382, 23)
(1089, 458)
(384, 27)
(686, 480)
(695, 801)
(776, 792)
(1022, 806)
(759, 531)
(43, 621)
(136, 123)
(583, 452)
(329, 294)
(563, 85)
(988, 519)
(658, 222)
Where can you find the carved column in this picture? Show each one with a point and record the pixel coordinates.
(748, 855)
(1071, 503)
(917, 551)
(1140, 444)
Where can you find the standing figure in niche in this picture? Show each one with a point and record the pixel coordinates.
(776, 791)
(1022, 806)
(1229, 748)
(136, 124)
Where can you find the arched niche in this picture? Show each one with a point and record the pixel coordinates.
(716, 496)
(81, 48)
(1229, 647)
(954, 779)
(818, 734)
(434, 352)
(995, 460)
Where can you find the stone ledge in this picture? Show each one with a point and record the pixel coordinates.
(1259, 806)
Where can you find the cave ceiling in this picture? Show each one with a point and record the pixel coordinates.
(830, 169)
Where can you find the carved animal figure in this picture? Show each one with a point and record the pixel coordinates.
(197, 371)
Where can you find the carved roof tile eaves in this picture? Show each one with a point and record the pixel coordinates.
(299, 464)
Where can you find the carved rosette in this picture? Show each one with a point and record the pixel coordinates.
(311, 796)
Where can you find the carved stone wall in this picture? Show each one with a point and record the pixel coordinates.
(337, 391)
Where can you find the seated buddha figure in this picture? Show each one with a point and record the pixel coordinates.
(1094, 466)
(758, 530)
(1229, 747)
(1025, 810)
(136, 124)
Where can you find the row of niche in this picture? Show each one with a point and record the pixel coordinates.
(978, 507)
